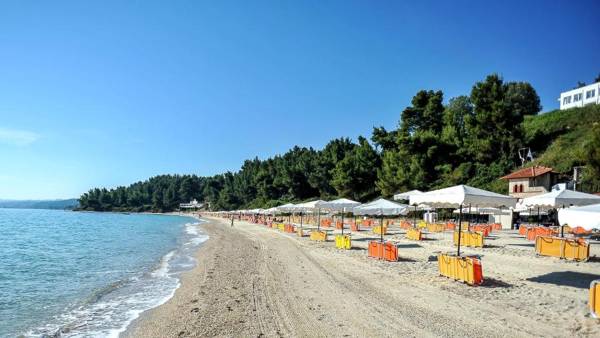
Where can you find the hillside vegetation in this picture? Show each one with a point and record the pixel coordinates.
(560, 137)
(473, 139)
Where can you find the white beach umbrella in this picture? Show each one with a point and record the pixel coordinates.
(309, 207)
(478, 210)
(270, 211)
(286, 207)
(289, 207)
(460, 195)
(341, 204)
(587, 217)
(559, 198)
(381, 207)
(406, 195)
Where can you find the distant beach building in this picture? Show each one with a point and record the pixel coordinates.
(530, 181)
(580, 97)
(194, 204)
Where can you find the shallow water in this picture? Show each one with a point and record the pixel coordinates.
(80, 274)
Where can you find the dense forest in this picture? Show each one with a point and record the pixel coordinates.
(470, 140)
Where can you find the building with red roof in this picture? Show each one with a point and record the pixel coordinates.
(530, 181)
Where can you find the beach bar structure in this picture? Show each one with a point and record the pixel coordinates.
(192, 205)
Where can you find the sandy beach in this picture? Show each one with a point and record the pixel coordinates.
(253, 281)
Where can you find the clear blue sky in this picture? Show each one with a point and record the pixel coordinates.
(109, 93)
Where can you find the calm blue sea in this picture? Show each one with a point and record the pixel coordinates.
(79, 274)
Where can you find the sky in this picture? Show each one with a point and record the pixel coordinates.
(107, 93)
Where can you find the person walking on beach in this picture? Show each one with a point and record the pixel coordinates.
(232, 221)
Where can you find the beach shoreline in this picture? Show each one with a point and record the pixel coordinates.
(251, 280)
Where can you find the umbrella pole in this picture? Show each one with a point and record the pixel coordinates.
(459, 228)
(318, 219)
(469, 221)
(562, 227)
(343, 221)
(381, 233)
(415, 218)
(381, 228)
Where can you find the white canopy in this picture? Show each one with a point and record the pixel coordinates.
(309, 206)
(341, 204)
(453, 197)
(270, 211)
(478, 210)
(286, 207)
(381, 207)
(587, 217)
(406, 195)
(558, 198)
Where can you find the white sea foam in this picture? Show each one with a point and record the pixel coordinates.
(163, 268)
(114, 308)
(191, 228)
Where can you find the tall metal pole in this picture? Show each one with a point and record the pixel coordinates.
(459, 227)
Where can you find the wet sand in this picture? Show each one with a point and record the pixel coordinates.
(253, 281)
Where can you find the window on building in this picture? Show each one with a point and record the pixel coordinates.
(567, 100)
(590, 93)
(515, 188)
(577, 97)
(520, 188)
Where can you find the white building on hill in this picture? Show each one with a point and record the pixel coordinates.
(580, 97)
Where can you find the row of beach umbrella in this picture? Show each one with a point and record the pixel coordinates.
(575, 208)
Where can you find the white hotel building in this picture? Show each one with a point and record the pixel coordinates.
(580, 97)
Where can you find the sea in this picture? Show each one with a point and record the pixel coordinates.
(88, 274)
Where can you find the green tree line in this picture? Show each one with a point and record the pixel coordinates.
(473, 139)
